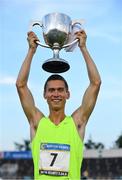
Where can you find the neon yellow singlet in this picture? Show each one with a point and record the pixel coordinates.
(57, 150)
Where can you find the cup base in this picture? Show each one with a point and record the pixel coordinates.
(56, 65)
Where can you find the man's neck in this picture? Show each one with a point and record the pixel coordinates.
(57, 116)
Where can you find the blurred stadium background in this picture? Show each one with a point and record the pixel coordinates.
(97, 164)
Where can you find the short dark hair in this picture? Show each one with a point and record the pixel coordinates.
(56, 77)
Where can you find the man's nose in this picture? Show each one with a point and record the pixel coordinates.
(56, 93)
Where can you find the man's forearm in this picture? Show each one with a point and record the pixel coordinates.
(93, 73)
(25, 69)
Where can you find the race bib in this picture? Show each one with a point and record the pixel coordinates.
(54, 159)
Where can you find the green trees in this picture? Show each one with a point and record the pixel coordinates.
(118, 142)
(92, 145)
(23, 147)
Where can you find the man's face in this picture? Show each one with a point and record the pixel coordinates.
(56, 94)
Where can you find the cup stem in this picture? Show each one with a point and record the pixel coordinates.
(56, 53)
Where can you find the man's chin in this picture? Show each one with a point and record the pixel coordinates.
(56, 108)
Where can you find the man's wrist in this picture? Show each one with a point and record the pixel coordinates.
(32, 50)
(83, 48)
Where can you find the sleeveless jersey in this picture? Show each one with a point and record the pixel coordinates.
(57, 150)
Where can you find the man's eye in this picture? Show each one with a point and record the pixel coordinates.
(51, 90)
(61, 89)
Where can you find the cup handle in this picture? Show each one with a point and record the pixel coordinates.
(33, 23)
(37, 23)
(78, 21)
(70, 44)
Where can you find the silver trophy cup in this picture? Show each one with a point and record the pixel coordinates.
(56, 28)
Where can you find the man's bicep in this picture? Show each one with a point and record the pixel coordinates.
(82, 114)
(89, 100)
(27, 102)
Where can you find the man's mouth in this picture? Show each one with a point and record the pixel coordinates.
(56, 100)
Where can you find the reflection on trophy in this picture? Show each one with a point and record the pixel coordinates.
(57, 31)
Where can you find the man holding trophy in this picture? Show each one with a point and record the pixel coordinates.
(57, 140)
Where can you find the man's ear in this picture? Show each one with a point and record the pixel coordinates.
(44, 95)
(68, 94)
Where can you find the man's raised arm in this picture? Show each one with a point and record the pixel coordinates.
(81, 115)
(32, 113)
